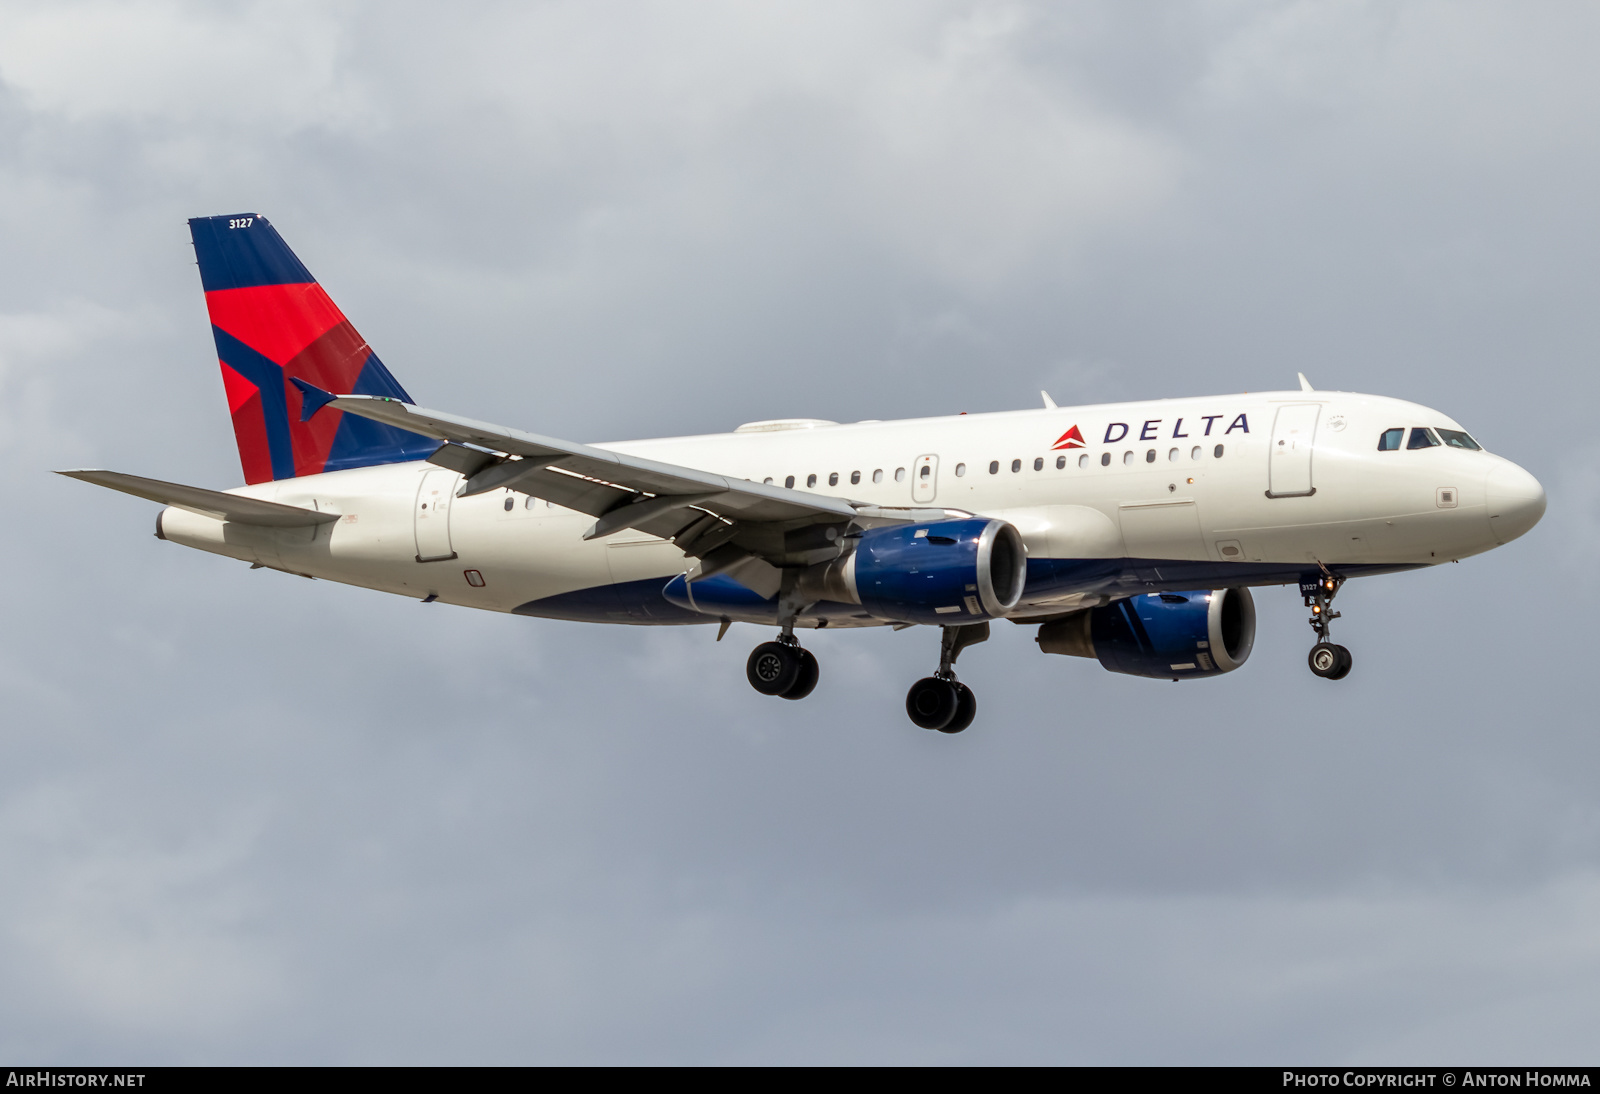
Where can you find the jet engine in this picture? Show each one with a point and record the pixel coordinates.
(946, 572)
(1161, 635)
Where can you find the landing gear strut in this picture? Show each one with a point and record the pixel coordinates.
(783, 668)
(941, 701)
(1327, 660)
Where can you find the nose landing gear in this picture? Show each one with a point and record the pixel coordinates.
(1327, 659)
(941, 701)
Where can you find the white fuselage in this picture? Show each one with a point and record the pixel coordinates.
(1200, 481)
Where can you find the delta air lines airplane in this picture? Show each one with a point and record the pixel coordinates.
(1129, 533)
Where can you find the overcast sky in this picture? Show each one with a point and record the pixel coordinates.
(250, 818)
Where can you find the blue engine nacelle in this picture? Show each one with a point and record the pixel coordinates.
(946, 573)
(1161, 635)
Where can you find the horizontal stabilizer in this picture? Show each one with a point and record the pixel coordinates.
(208, 503)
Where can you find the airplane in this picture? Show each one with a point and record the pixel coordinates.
(1128, 533)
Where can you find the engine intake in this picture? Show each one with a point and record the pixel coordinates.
(1162, 635)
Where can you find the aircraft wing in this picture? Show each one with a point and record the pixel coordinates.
(724, 521)
(208, 503)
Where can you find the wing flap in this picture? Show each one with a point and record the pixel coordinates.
(207, 503)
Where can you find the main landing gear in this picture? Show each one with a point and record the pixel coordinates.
(941, 701)
(782, 668)
(785, 669)
(1327, 660)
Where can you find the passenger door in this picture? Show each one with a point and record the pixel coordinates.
(1294, 434)
(433, 515)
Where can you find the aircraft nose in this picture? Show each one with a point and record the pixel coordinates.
(1516, 501)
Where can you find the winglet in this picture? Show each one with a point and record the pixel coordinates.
(313, 398)
(1049, 403)
(1305, 385)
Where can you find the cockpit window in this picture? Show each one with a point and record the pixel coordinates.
(1422, 438)
(1457, 439)
(1391, 439)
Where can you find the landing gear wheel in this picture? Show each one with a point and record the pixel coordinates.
(774, 667)
(932, 703)
(806, 682)
(1329, 661)
(966, 708)
(1345, 661)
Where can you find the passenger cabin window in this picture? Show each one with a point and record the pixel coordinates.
(1083, 461)
(1217, 452)
(877, 476)
(1105, 459)
(833, 479)
(1016, 465)
(1150, 456)
(994, 467)
(855, 477)
(927, 469)
(789, 483)
(1038, 463)
(1061, 461)
(961, 469)
(767, 481)
(811, 480)
(1422, 438)
(899, 474)
(1457, 439)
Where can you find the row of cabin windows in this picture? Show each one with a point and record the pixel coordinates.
(1174, 455)
(1422, 437)
(1128, 458)
(833, 478)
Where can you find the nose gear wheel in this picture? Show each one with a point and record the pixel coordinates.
(1327, 659)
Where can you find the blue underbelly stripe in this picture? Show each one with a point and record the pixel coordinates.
(641, 601)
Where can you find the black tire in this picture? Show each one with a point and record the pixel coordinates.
(931, 703)
(1343, 668)
(773, 668)
(966, 709)
(1325, 661)
(806, 682)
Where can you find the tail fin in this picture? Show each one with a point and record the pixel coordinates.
(274, 324)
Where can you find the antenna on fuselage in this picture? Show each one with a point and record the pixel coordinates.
(1305, 385)
(1049, 403)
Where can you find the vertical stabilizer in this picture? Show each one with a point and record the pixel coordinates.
(273, 324)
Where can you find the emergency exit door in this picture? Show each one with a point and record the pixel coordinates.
(925, 479)
(1294, 434)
